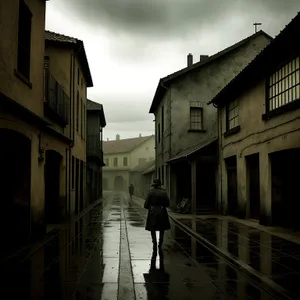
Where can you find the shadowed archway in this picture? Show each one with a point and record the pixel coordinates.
(119, 183)
(15, 172)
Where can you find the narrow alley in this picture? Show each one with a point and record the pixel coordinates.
(107, 253)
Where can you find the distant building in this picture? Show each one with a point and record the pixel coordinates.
(121, 156)
(141, 177)
(95, 124)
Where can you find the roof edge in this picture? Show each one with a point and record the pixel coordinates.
(160, 90)
(222, 94)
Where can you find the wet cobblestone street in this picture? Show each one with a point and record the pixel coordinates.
(107, 253)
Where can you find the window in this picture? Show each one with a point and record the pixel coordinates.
(158, 133)
(115, 162)
(82, 117)
(73, 172)
(24, 40)
(162, 121)
(125, 162)
(78, 76)
(107, 161)
(284, 85)
(162, 174)
(158, 173)
(84, 121)
(232, 115)
(81, 82)
(196, 118)
(77, 112)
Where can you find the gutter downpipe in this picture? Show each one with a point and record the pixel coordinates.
(219, 155)
(170, 134)
(72, 123)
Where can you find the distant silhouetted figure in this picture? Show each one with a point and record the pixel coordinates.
(158, 220)
(131, 190)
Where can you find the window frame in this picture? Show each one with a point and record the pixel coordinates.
(276, 87)
(24, 41)
(115, 161)
(196, 106)
(235, 117)
(77, 111)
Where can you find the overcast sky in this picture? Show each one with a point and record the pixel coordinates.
(131, 44)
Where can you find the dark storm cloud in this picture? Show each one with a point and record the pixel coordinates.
(161, 18)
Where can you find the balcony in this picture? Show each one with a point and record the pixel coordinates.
(93, 147)
(56, 101)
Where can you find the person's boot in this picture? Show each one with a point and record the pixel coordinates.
(160, 244)
(154, 242)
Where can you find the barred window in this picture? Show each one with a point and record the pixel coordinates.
(232, 115)
(196, 115)
(284, 85)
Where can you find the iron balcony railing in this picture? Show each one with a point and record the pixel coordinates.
(56, 101)
(93, 147)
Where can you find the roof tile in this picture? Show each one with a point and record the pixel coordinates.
(123, 146)
(57, 37)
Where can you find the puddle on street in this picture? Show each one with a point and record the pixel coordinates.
(272, 256)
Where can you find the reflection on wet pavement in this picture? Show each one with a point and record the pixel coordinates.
(88, 261)
(275, 258)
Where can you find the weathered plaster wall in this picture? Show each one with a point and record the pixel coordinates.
(10, 85)
(256, 136)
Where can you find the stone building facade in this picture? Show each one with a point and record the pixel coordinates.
(123, 155)
(36, 124)
(186, 127)
(259, 135)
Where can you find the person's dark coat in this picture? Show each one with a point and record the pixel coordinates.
(156, 202)
(131, 189)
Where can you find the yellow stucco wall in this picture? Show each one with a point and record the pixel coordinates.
(10, 85)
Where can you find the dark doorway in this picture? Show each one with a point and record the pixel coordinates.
(206, 187)
(52, 186)
(285, 188)
(81, 186)
(183, 181)
(254, 185)
(119, 183)
(77, 187)
(231, 166)
(15, 170)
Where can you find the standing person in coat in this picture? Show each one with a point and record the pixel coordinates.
(131, 190)
(158, 220)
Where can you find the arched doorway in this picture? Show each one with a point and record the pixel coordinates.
(119, 183)
(15, 172)
(52, 186)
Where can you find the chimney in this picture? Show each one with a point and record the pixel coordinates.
(189, 59)
(140, 135)
(107, 139)
(203, 57)
(117, 137)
